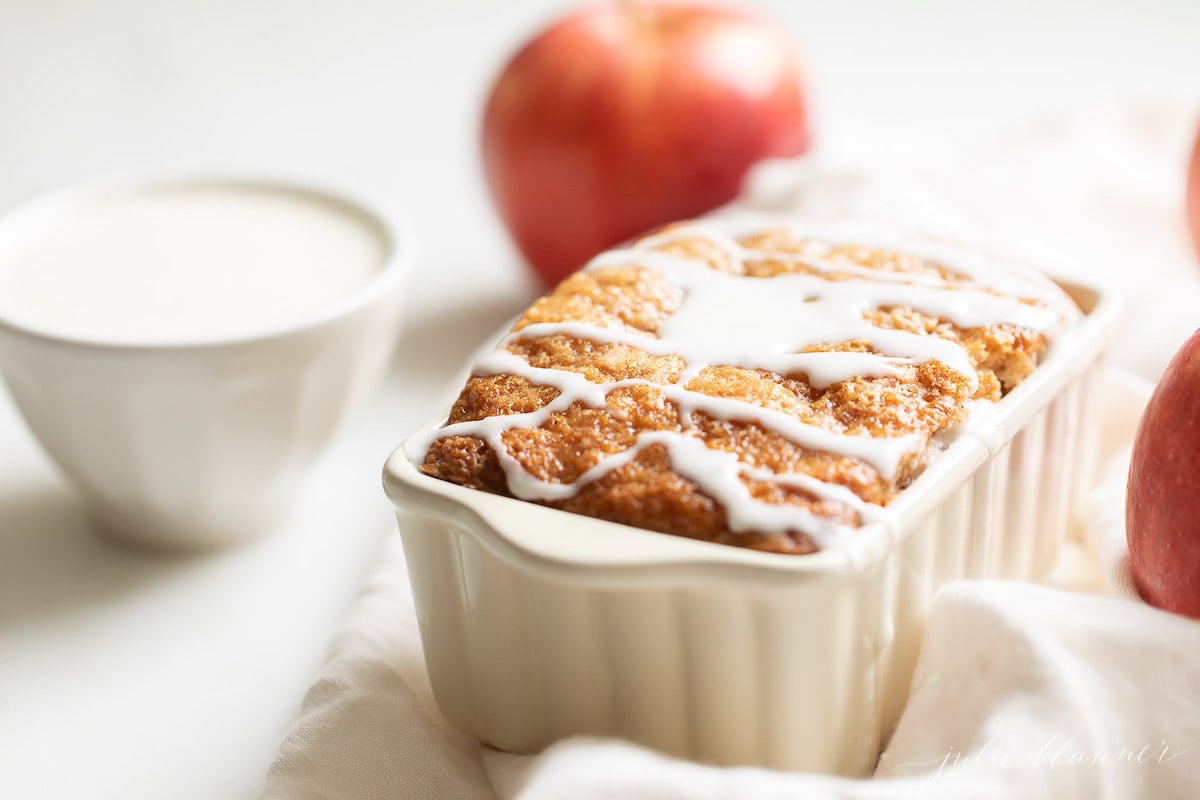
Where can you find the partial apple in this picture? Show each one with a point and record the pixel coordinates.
(1193, 195)
(627, 115)
(1162, 510)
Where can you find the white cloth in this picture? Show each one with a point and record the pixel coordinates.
(1021, 690)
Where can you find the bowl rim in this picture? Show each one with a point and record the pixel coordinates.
(393, 228)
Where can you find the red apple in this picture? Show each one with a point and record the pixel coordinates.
(627, 115)
(1193, 195)
(1162, 511)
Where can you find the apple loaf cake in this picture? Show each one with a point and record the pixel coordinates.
(753, 382)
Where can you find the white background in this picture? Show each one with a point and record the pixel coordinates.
(125, 675)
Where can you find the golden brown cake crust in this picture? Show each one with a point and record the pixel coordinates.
(647, 490)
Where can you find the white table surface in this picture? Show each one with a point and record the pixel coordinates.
(127, 675)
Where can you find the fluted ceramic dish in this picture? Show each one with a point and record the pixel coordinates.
(203, 441)
(539, 624)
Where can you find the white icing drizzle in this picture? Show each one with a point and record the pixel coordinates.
(762, 323)
(822, 368)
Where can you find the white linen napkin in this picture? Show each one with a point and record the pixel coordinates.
(1021, 690)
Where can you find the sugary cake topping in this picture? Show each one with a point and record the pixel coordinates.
(728, 381)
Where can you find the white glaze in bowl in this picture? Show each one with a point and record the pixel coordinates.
(205, 439)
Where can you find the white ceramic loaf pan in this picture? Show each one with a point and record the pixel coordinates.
(539, 624)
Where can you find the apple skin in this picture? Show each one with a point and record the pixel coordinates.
(1162, 509)
(625, 116)
(1193, 195)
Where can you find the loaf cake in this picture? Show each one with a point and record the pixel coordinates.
(753, 382)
